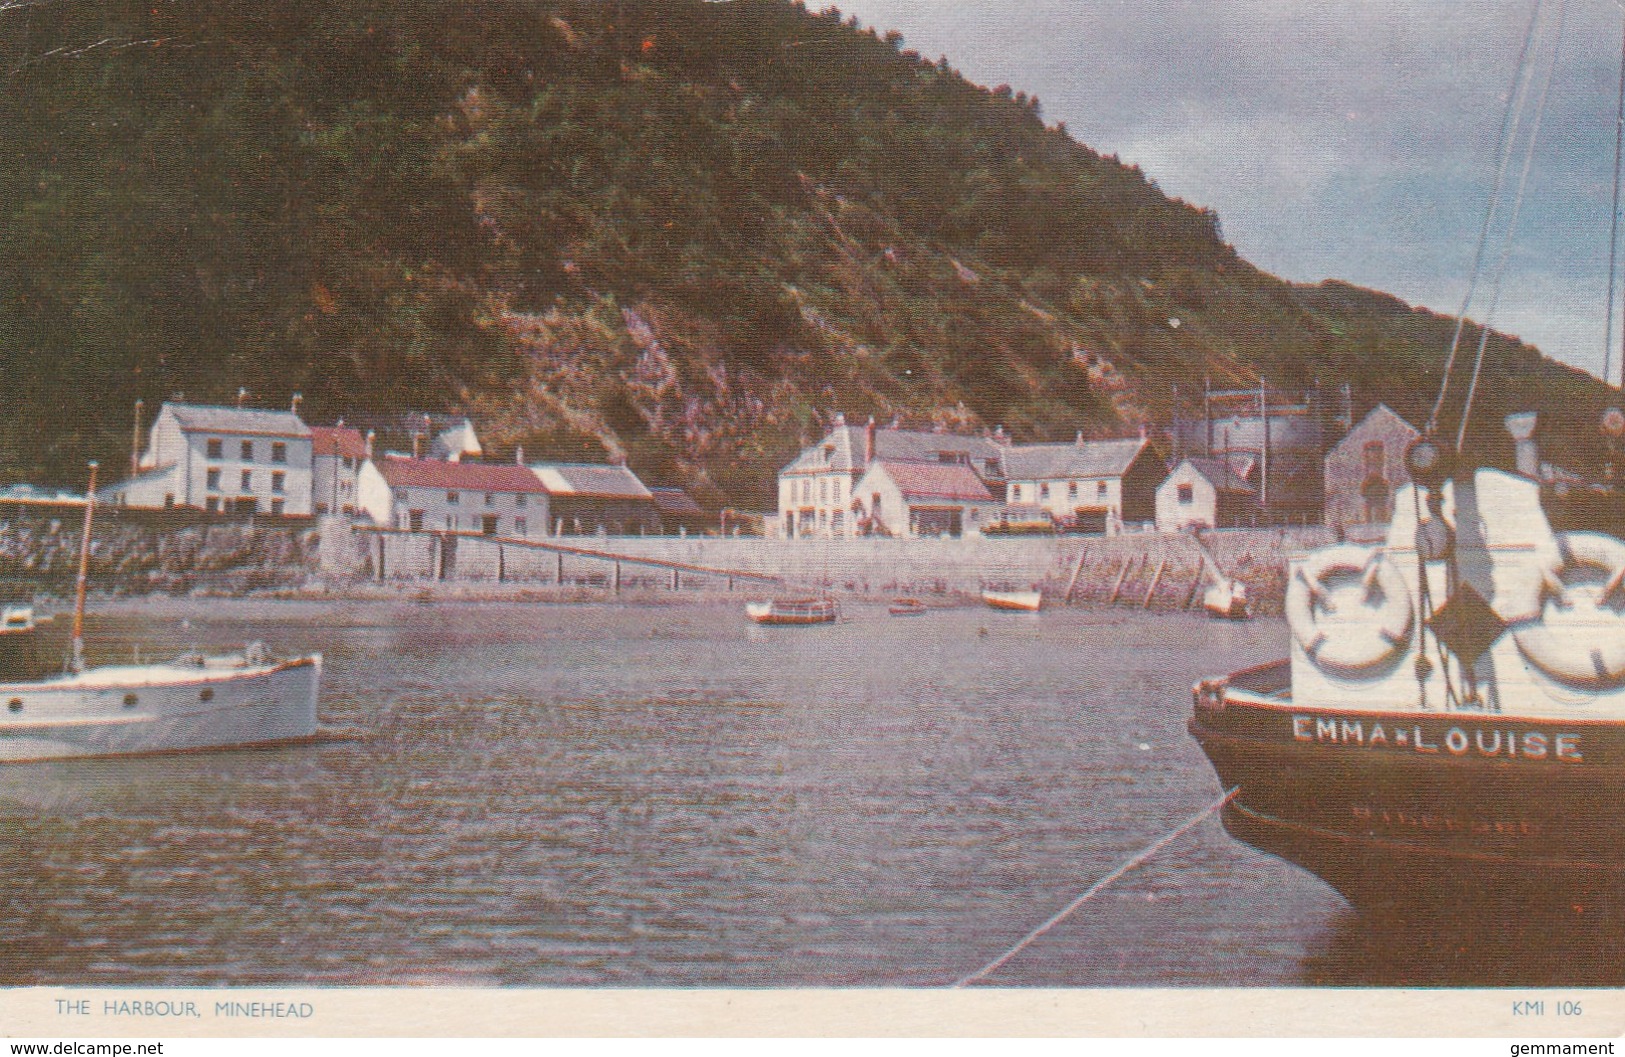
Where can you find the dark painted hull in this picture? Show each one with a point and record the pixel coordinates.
(1398, 810)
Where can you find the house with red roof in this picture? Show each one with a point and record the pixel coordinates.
(911, 499)
(434, 495)
(337, 455)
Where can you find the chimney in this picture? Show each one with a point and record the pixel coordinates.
(1526, 452)
(999, 436)
(242, 394)
(840, 418)
(519, 455)
(1080, 438)
(370, 436)
(296, 398)
(1142, 431)
(869, 442)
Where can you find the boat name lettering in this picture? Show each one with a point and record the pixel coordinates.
(1430, 740)
(1395, 818)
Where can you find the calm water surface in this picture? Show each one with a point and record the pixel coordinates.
(530, 795)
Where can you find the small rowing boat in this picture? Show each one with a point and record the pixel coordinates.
(906, 607)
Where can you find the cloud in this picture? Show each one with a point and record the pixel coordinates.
(1353, 141)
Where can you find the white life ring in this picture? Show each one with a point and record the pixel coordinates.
(1580, 636)
(1349, 609)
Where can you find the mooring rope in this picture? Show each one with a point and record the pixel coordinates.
(1095, 889)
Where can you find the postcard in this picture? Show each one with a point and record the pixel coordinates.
(724, 518)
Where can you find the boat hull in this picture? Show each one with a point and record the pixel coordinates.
(159, 708)
(1400, 809)
(1016, 601)
(791, 614)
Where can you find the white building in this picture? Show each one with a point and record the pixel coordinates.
(337, 455)
(1204, 493)
(1091, 485)
(225, 460)
(816, 491)
(910, 499)
(434, 495)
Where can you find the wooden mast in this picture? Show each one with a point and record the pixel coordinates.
(84, 573)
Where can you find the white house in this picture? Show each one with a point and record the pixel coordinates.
(456, 443)
(816, 491)
(435, 495)
(1095, 485)
(337, 455)
(223, 460)
(911, 499)
(1204, 493)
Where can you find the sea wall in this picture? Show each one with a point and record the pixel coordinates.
(1159, 571)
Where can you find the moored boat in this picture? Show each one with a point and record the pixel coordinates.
(793, 611)
(192, 702)
(1227, 599)
(1449, 728)
(1022, 601)
(906, 607)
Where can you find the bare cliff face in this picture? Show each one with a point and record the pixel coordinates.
(680, 233)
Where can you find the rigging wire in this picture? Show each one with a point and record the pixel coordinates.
(1613, 234)
(1512, 225)
(1505, 142)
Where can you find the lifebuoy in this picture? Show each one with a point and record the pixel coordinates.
(1580, 636)
(1349, 609)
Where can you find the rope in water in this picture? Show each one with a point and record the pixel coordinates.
(1095, 889)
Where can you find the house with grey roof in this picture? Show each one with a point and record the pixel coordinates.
(592, 498)
(1206, 493)
(224, 460)
(1087, 485)
(817, 491)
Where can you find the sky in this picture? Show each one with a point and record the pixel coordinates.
(1355, 141)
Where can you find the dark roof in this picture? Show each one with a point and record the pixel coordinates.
(677, 502)
(846, 447)
(338, 440)
(472, 476)
(1087, 458)
(599, 480)
(930, 480)
(1220, 475)
(203, 418)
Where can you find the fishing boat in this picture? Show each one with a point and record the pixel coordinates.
(1021, 601)
(192, 702)
(906, 607)
(1450, 724)
(793, 611)
(1227, 599)
(1446, 737)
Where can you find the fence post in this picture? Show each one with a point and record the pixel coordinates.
(616, 581)
(1155, 579)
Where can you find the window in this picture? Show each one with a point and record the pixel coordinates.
(349, 463)
(279, 451)
(1015, 493)
(278, 480)
(248, 451)
(1100, 489)
(276, 507)
(519, 500)
(248, 481)
(169, 500)
(823, 490)
(212, 504)
(400, 495)
(1043, 491)
(451, 499)
(490, 499)
(1186, 494)
(519, 526)
(1072, 490)
(1374, 458)
(414, 520)
(216, 448)
(214, 479)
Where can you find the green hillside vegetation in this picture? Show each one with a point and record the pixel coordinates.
(683, 233)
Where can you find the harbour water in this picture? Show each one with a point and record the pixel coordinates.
(617, 795)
